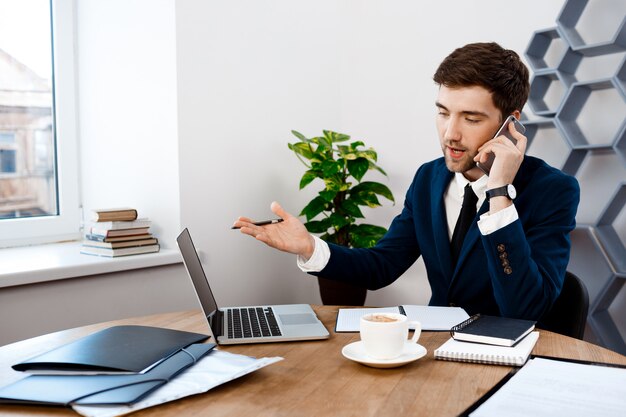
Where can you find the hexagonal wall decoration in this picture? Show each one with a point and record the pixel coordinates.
(578, 101)
(547, 90)
(581, 126)
(546, 140)
(570, 15)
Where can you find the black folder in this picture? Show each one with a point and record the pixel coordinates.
(116, 350)
(69, 390)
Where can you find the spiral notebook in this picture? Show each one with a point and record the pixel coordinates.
(455, 350)
(492, 330)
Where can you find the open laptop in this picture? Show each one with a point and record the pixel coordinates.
(254, 324)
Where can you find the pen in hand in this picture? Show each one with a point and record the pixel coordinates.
(262, 223)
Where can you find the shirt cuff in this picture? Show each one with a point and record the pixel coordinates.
(489, 223)
(319, 259)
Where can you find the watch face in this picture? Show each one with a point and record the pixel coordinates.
(511, 191)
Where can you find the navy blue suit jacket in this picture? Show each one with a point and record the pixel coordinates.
(517, 271)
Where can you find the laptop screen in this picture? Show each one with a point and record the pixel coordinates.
(196, 273)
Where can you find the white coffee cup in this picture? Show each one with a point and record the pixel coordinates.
(385, 334)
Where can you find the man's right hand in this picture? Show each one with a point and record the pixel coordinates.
(290, 235)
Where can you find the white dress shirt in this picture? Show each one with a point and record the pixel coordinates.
(453, 199)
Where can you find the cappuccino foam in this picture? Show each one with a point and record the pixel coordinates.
(379, 318)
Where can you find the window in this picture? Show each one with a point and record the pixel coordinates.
(38, 150)
(7, 155)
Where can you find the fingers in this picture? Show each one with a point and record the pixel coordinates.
(278, 210)
(242, 222)
(502, 143)
(521, 139)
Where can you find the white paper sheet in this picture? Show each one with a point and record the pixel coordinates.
(214, 369)
(431, 318)
(554, 388)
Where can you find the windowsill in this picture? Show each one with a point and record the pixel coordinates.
(42, 263)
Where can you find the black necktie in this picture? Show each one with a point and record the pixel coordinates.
(463, 223)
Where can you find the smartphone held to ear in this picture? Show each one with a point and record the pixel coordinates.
(504, 130)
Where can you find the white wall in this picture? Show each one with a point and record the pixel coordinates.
(249, 72)
(127, 99)
(36, 309)
(185, 112)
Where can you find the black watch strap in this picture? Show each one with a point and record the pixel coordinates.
(507, 191)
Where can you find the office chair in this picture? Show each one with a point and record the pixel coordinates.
(568, 315)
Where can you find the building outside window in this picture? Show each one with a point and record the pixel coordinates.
(38, 166)
(27, 186)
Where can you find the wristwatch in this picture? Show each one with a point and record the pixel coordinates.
(507, 191)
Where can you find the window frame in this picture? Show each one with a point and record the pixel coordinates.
(65, 225)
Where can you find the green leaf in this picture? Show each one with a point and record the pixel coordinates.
(352, 209)
(369, 154)
(328, 195)
(373, 187)
(365, 198)
(318, 226)
(315, 207)
(377, 168)
(342, 138)
(323, 142)
(307, 178)
(345, 152)
(334, 137)
(343, 149)
(366, 235)
(354, 145)
(300, 136)
(302, 148)
(329, 135)
(330, 168)
(338, 221)
(358, 168)
(345, 186)
(333, 184)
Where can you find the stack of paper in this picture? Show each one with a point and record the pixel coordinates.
(214, 369)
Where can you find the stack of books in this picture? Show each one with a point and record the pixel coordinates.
(118, 232)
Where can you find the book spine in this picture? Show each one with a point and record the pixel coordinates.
(95, 238)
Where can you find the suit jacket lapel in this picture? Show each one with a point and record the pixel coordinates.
(440, 222)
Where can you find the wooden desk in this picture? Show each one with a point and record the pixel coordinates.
(315, 379)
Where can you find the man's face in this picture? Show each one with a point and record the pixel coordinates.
(466, 119)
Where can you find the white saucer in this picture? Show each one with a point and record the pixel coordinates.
(356, 352)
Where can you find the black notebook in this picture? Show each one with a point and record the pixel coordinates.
(116, 350)
(491, 330)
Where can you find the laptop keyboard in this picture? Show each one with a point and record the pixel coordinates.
(252, 322)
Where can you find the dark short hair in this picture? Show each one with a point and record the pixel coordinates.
(488, 65)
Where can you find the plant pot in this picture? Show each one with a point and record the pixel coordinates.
(339, 293)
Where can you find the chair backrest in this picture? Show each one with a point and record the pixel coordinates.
(568, 315)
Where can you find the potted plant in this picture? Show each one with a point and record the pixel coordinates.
(335, 210)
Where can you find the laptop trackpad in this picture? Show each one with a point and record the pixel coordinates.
(296, 319)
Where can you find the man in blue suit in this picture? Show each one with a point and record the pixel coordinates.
(511, 260)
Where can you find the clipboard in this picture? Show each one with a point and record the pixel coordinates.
(507, 378)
